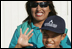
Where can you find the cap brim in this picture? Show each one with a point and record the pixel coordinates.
(53, 29)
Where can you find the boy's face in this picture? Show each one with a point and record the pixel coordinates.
(52, 39)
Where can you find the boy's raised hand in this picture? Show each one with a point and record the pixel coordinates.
(23, 39)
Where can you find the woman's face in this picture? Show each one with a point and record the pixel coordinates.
(39, 13)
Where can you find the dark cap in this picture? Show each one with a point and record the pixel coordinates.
(55, 24)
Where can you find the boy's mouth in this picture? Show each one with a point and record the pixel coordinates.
(49, 45)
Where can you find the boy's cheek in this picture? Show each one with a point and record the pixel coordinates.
(44, 40)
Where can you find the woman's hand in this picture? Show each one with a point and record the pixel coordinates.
(23, 39)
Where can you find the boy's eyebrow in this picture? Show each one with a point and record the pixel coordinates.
(44, 33)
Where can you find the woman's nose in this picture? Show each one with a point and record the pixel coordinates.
(38, 8)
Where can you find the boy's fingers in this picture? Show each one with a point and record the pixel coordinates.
(26, 31)
(30, 35)
(29, 32)
(20, 31)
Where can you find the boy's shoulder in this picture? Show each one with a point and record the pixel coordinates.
(43, 47)
(66, 46)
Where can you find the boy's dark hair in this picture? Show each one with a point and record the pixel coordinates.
(43, 31)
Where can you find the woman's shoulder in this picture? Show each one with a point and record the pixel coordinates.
(23, 24)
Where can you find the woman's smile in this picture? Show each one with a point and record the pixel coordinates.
(39, 14)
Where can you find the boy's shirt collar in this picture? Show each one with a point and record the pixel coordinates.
(59, 45)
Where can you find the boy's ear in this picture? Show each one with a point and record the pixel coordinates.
(63, 36)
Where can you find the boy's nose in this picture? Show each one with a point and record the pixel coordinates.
(49, 39)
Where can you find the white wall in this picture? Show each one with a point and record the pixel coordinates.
(13, 13)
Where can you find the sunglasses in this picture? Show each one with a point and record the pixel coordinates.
(41, 4)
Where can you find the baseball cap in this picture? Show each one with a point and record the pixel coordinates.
(54, 23)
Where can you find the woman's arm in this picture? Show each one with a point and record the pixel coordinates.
(14, 39)
(18, 46)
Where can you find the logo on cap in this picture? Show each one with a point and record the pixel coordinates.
(51, 24)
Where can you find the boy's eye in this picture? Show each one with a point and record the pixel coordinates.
(55, 35)
(44, 35)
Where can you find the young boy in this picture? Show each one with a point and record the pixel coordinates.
(53, 32)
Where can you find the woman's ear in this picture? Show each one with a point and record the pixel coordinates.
(49, 9)
(63, 36)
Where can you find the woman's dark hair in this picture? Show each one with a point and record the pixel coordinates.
(28, 9)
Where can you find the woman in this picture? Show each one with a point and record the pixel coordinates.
(38, 11)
